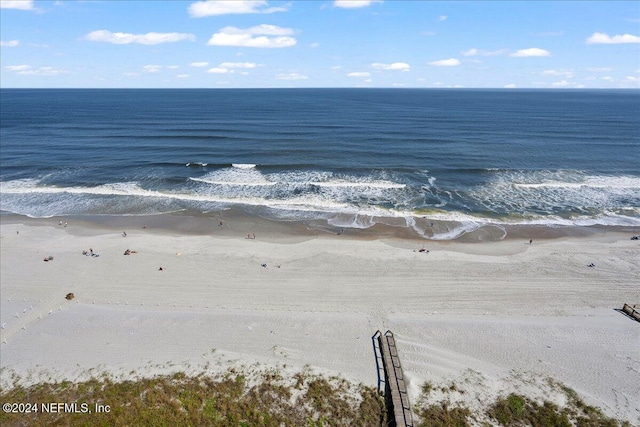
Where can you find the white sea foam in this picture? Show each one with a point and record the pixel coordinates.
(550, 192)
(563, 198)
(234, 183)
(236, 177)
(352, 221)
(18, 185)
(604, 182)
(243, 165)
(457, 231)
(362, 184)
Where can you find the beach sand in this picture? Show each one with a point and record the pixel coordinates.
(493, 316)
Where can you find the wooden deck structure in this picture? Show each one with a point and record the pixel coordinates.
(632, 311)
(390, 374)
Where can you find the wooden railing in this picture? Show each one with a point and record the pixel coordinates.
(632, 311)
(396, 397)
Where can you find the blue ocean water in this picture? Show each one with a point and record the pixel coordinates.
(350, 156)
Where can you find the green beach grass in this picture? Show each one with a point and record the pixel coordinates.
(241, 397)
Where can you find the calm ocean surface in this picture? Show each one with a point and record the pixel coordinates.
(351, 156)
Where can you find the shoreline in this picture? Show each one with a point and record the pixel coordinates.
(236, 224)
(493, 308)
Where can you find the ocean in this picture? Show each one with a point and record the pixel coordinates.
(349, 157)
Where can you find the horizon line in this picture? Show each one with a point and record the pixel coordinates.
(316, 87)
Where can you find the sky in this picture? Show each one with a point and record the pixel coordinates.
(319, 43)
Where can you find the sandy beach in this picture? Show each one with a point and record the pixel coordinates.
(494, 316)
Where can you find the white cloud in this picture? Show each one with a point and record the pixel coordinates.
(28, 70)
(561, 83)
(17, 4)
(510, 86)
(146, 39)
(473, 52)
(428, 33)
(131, 74)
(152, 68)
(359, 74)
(403, 66)
(232, 36)
(199, 64)
(602, 38)
(229, 67)
(182, 76)
(599, 69)
(10, 43)
(314, 45)
(291, 76)
(607, 78)
(532, 51)
(632, 78)
(564, 73)
(442, 18)
(17, 67)
(173, 67)
(451, 62)
(201, 9)
(238, 65)
(354, 4)
(336, 67)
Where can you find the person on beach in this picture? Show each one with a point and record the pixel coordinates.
(530, 241)
(124, 234)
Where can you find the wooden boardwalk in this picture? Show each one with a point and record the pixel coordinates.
(632, 311)
(390, 373)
